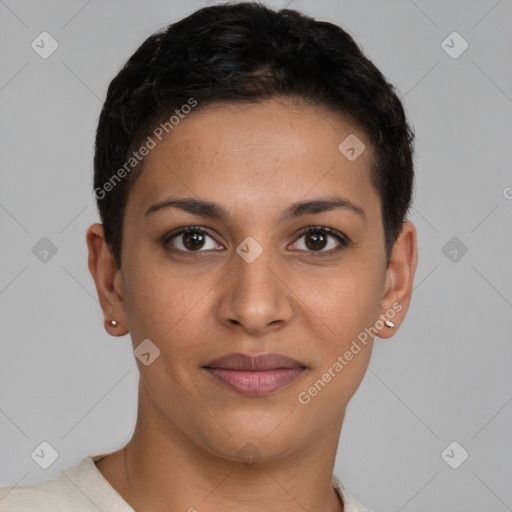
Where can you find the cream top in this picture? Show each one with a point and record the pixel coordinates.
(83, 488)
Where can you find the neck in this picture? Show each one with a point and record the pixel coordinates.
(163, 469)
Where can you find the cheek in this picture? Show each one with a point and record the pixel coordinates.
(326, 395)
(348, 301)
(160, 298)
(349, 308)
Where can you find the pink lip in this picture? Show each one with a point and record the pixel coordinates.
(255, 375)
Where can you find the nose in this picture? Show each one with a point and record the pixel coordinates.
(255, 295)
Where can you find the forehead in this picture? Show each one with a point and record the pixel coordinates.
(268, 152)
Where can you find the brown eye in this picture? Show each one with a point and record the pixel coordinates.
(190, 239)
(321, 239)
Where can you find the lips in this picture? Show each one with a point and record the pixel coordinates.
(255, 375)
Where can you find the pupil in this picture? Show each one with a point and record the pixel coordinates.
(193, 240)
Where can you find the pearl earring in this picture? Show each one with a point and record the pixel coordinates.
(113, 323)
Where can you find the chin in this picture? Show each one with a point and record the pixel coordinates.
(252, 439)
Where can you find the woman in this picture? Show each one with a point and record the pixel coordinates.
(253, 173)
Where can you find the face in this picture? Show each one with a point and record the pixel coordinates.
(286, 258)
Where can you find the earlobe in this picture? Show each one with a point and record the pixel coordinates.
(107, 279)
(114, 328)
(399, 280)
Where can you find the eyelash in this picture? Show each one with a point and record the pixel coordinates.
(343, 241)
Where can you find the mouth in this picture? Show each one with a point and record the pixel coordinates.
(255, 375)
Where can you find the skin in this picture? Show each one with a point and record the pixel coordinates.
(254, 160)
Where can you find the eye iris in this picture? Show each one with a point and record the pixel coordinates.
(318, 240)
(193, 240)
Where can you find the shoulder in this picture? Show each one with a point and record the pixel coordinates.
(350, 503)
(56, 495)
(79, 488)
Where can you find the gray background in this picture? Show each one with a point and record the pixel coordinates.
(444, 377)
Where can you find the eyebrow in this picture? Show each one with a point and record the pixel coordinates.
(299, 209)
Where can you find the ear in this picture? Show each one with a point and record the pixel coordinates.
(399, 279)
(108, 280)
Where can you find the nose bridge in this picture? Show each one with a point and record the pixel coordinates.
(252, 263)
(252, 268)
(255, 295)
